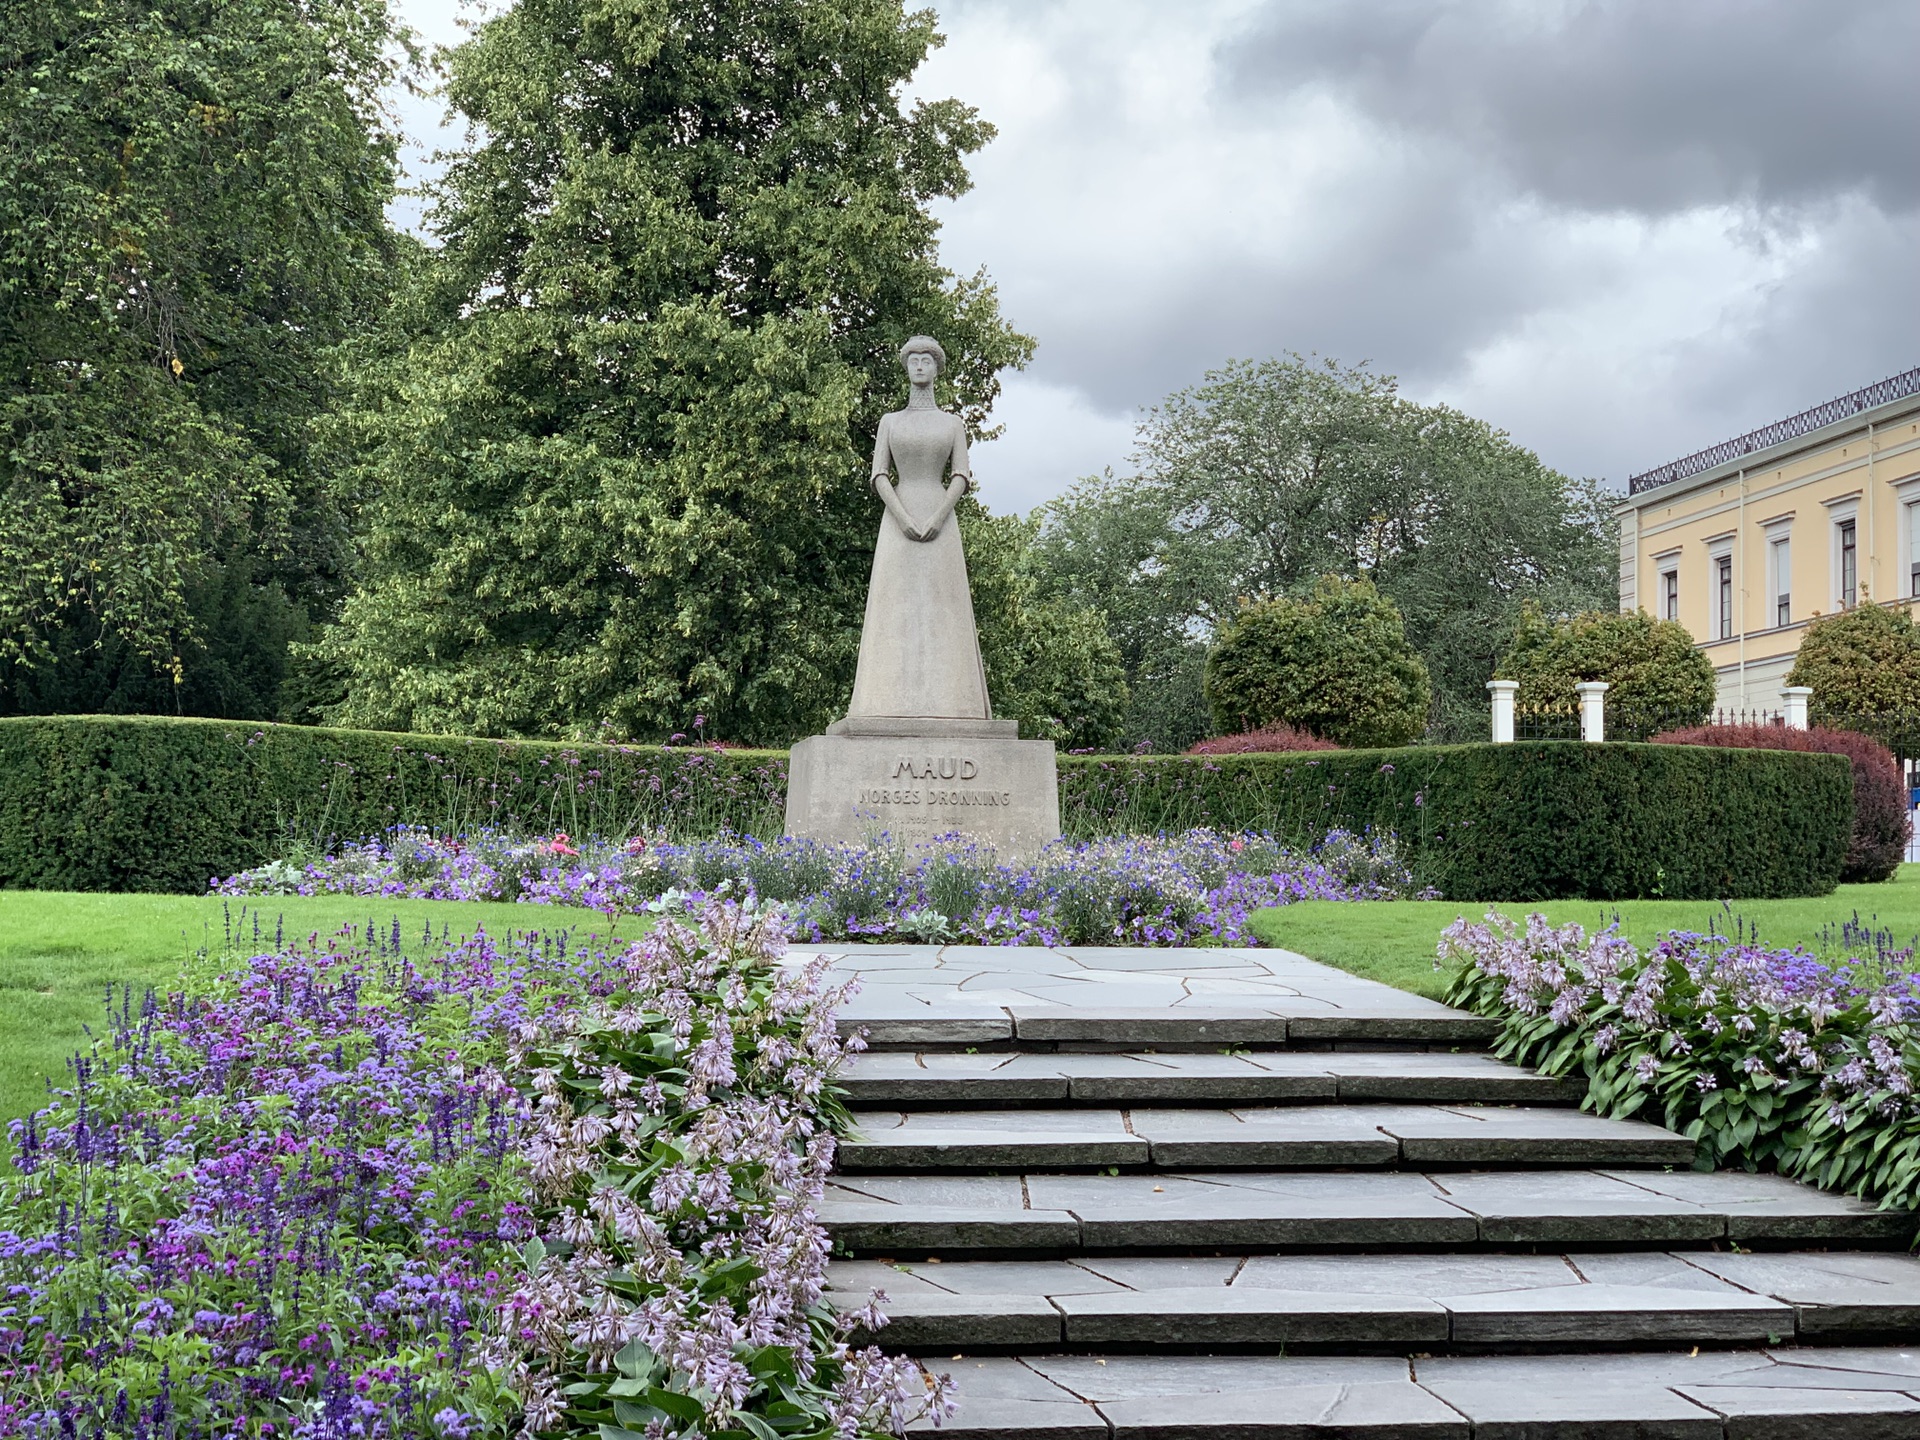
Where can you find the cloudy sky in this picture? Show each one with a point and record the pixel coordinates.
(1621, 230)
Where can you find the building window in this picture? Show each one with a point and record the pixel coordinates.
(1670, 592)
(1913, 549)
(1782, 564)
(1849, 563)
(1723, 571)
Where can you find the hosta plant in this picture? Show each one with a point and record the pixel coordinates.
(1767, 1058)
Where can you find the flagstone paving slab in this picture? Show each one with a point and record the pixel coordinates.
(999, 1077)
(970, 995)
(1251, 1137)
(1138, 1155)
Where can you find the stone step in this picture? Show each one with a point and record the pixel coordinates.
(914, 1216)
(1251, 1138)
(1384, 1303)
(1753, 1394)
(890, 1021)
(1036, 997)
(951, 1079)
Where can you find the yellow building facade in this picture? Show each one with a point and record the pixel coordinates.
(1747, 542)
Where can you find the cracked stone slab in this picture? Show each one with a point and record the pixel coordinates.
(1775, 1208)
(1780, 1413)
(880, 1229)
(989, 1140)
(1250, 1138)
(1616, 1315)
(1307, 1135)
(1304, 1209)
(1217, 1315)
(1098, 1019)
(1435, 1135)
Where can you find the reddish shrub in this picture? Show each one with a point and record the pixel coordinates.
(1268, 740)
(1880, 819)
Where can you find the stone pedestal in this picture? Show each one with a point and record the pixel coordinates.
(914, 779)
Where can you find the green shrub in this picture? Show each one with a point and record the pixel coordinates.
(1531, 821)
(137, 803)
(1657, 680)
(1860, 662)
(1335, 662)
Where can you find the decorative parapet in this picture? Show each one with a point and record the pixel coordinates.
(1894, 387)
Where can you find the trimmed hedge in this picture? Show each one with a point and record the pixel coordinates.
(109, 802)
(139, 803)
(1537, 820)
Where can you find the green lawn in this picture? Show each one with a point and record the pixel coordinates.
(1394, 940)
(59, 952)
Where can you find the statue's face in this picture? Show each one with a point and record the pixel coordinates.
(922, 367)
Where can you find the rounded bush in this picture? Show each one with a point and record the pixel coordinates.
(1651, 667)
(1334, 662)
(1268, 740)
(1864, 661)
(1881, 821)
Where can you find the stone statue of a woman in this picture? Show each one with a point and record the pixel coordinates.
(919, 652)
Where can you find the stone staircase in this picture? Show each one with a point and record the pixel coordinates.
(1169, 1195)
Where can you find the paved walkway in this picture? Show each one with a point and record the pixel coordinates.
(1171, 1194)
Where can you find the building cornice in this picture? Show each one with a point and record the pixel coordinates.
(1889, 399)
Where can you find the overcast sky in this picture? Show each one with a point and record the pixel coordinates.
(1621, 230)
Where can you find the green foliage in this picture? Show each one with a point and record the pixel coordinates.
(1861, 662)
(1335, 663)
(1530, 821)
(191, 217)
(613, 446)
(1271, 474)
(1657, 679)
(233, 664)
(1760, 1057)
(1051, 664)
(97, 803)
(101, 803)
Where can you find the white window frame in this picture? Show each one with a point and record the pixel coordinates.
(1775, 534)
(1842, 511)
(1723, 603)
(1666, 567)
(1907, 492)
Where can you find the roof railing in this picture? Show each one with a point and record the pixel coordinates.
(1894, 387)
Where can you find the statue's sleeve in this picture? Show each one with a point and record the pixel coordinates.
(962, 465)
(882, 455)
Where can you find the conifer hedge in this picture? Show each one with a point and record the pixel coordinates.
(1536, 820)
(138, 803)
(99, 802)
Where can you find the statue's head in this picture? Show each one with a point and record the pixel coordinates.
(923, 359)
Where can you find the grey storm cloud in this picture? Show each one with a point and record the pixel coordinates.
(1647, 105)
(1621, 230)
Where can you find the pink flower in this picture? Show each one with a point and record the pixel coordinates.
(559, 845)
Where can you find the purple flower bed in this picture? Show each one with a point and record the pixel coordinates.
(361, 1190)
(1769, 1058)
(1197, 887)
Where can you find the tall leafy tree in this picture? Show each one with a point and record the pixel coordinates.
(1271, 474)
(614, 463)
(1051, 663)
(191, 218)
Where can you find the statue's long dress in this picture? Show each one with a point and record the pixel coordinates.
(919, 652)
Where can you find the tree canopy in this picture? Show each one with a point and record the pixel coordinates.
(1862, 662)
(191, 218)
(1656, 678)
(1270, 474)
(1051, 664)
(612, 454)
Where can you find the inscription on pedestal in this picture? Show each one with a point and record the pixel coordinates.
(1001, 791)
